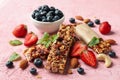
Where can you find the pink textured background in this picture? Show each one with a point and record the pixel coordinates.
(14, 12)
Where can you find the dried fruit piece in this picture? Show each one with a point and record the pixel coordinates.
(74, 63)
(23, 64)
(79, 18)
(111, 41)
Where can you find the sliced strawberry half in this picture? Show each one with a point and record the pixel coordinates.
(89, 58)
(78, 47)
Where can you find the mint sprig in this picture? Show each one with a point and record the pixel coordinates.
(47, 40)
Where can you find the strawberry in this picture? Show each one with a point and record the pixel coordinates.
(89, 58)
(105, 27)
(30, 39)
(78, 47)
(20, 30)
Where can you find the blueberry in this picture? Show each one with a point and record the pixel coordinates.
(90, 23)
(50, 13)
(80, 70)
(72, 20)
(52, 8)
(97, 21)
(44, 20)
(38, 19)
(43, 13)
(38, 62)
(33, 71)
(37, 14)
(49, 18)
(56, 18)
(112, 54)
(9, 64)
(39, 8)
(33, 15)
(59, 13)
(45, 8)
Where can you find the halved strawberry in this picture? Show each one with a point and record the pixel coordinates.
(89, 58)
(30, 39)
(78, 47)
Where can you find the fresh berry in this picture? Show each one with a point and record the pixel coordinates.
(112, 54)
(52, 8)
(33, 71)
(9, 64)
(91, 24)
(97, 21)
(45, 8)
(89, 58)
(80, 70)
(38, 62)
(30, 39)
(72, 20)
(56, 18)
(77, 49)
(47, 14)
(20, 30)
(105, 28)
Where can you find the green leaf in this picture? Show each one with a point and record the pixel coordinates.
(47, 40)
(15, 42)
(45, 37)
(54, 37)
(94, 41)
(14, 56)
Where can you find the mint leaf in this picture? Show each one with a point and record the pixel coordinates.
(94, 41)
(47, 40)
(14, 57)
(45, 37)
(54, 37)
(15, 42)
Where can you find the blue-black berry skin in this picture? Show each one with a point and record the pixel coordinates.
(47, 14)
(97, 21)
(112, 54)
(72, 20)
(80, 70)
(33, 71)
(91, 24)
(38, 62)
(9, 64)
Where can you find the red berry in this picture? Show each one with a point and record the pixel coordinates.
(20, 30)
(30, 39)
(105, 28)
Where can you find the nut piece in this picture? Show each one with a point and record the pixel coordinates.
(74, 63)
(111, 41)
(86, 20)
(104, 57)
(23, 64)
(79, 18)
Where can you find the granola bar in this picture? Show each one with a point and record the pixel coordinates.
(58, 56)
(38, 51)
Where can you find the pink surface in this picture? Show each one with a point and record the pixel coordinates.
(14, 12)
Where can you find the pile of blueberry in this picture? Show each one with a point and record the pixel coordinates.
(47, 14)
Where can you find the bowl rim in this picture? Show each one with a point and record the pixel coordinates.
(46, 22)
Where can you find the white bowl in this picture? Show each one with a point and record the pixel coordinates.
(49, 27)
